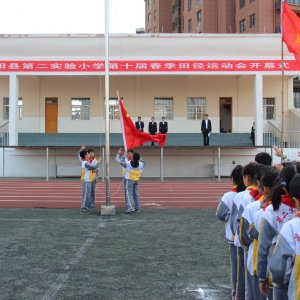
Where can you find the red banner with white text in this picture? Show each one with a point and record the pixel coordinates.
(150, 66)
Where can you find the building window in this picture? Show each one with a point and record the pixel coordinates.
(199, 20)
(6, 108)
(190, 25)
(154, 15)
(199, 2)
(149, 3)
(196, 107)
(149, 19)
(243, 25)
(297, 99)
(20, 108)
(252, 20)
(269, 108)
(80, 108)
(114, 112)
(163, 107)
(189, 5)
(242, 3)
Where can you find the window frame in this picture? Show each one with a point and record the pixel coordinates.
(268, 106)
(252, 20)
(167, 109)
(296, 98)
(243, 25)
(86, 107)
(5, 114)
(114, 110)
(200, 108)
(190, 25)
(199, 19)
(190, 5)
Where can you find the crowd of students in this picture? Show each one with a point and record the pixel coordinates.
(262, 226)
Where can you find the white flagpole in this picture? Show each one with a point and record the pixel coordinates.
(107, 209)
(282, 84)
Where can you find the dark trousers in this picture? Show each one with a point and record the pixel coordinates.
(152, 144)
(240, 285)
(205, 138)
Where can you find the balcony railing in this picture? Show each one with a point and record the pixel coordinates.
(4, 138)
(273, 136)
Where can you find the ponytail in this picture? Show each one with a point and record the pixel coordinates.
(277, 192)
(135, 160)
(237, 178)
(286, 175)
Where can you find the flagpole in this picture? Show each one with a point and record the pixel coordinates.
(107, 209)
(282, 83)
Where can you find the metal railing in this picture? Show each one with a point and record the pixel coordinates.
(272, 136)
(291, 139)
(215, 162)
(4, 138)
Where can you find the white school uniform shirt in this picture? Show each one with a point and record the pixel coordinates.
(236, 222)
(133, 173)
(285, 262)
(249, 215)
(224, 211)
(271, 224)
(277, 218)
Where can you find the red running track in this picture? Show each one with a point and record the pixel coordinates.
(67, 193)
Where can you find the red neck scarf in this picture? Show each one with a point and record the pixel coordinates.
(287, 200)
(258, 196)
(253, 192)
(298, 214)
(234, 189)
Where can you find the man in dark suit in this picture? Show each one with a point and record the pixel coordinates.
(139, 125)
(152, 128)
(206, 129)
(163, 126)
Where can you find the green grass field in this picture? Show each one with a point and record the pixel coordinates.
(155, 254)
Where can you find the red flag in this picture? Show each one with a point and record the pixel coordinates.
(291, 30)
(132, 136)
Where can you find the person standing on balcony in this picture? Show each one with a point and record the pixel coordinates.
(252, 134)
(206, 129)
(163, 126)
(152, 128)
(139, 124)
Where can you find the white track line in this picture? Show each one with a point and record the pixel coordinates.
(65, 273)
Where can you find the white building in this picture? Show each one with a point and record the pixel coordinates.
(52, 89)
